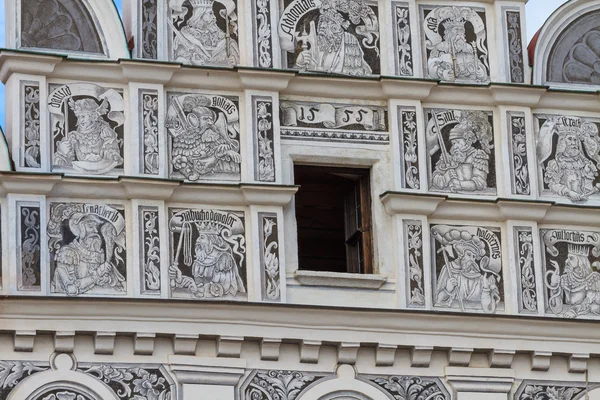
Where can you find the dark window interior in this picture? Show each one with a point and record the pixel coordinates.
(333, 213)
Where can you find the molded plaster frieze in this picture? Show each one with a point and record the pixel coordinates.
(403, 40)
(460, 146)
(568, 150)
(455, 43)
(30, 152)
(409, 387)
(87, 128)
(264, 139)
(204, 137)
(516, 64)
(339, 37)
(415, 284)
(527, 294)
(519, 165)
(467, 268)
(270, 273)
(333, 122)
(407, 124)
(208, 258)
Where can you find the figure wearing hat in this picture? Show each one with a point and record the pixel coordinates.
(94, 146)
(201, 41)
(454, 58)
(465, 168)
(335, 50)
(571, 173)
(201, 145)
(85, 262)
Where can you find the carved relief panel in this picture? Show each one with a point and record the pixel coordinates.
(455, 47)
(570, 262)
(460, 145)
(87, 128)
(467, 268)
(88, 251)
(331, 36)
(207, 254)
(203, 137)
(203, 32)
(568, 150)
(333, 122)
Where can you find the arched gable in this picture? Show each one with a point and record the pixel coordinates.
(87, 28)
(567, 53)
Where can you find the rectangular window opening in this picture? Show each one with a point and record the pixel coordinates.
(333, 214)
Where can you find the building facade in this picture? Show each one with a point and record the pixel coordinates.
(299, 200)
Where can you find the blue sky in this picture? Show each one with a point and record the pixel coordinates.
(537, 12)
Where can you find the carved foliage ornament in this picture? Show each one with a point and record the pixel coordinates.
(331, 36)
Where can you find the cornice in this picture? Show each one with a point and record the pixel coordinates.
(127, 188)
(290, 82)
(499, 209)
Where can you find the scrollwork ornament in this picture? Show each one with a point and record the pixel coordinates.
(414, 238)
(528, 292)
(404, 54)
(151, 251)
(30, 247)
(13, 372)
(31, 124)
(263, 34)
(547, 392)
(408, 120)
(278, 385)
(515, 46)
(411, 387)
(62, 394)
(518, 149)
(270, 258)
(150, 132)
(132, 382)
(149, 29)
(266, 154)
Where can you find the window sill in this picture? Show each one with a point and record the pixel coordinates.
(338, 279)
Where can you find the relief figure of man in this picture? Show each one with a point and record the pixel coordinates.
(201, 41)
(335, 50)
(466, 168)
(571, 173)
(83, 264)
(94, 146)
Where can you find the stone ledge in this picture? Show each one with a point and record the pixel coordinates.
(338, 279)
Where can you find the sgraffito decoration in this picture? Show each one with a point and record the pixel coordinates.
(455, 43)
(149, 250)
(86, 122)
(409, 387)
(208, 254)
(460, 144)
(278, 385)
(269, 262)
(264, 153)
(204, 137)
(148, 100)
(148, 26)
(87, 249)
(30, 156)
(403, 40)
(415, 283)
(544, 390)
(301, 120)
(570, 261)
(527, 283)
(467, 272)
(29, 250)
(263, 42)
(568, 152)
(63, 25)
(203, 32)
(515, 46)
(331, 36)
(519, 166)
(410, 147)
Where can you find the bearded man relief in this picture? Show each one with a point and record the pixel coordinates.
(568, 151)
(455, 42)
(87, 125)
(332, 36)
(87, 249)
(468, 267)
(460, 145)
(204, 32)
(204, 139)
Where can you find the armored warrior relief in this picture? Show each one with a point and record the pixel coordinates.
(208, 253)
(87, 125)
(569, 156)
(571, 261)
(468, 265)
(204, 139)
(342, 36)
(87, 248)
(466, 166)
(456, 44)
(204, 32)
